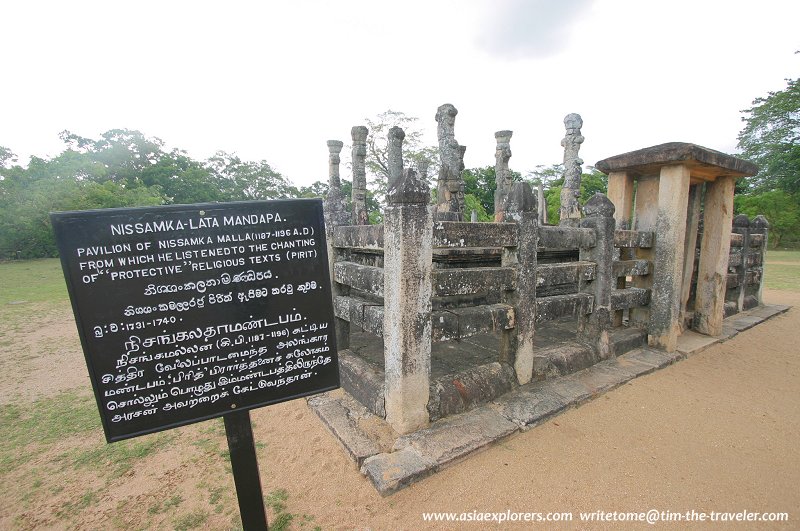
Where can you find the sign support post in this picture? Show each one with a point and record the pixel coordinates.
(244, 464)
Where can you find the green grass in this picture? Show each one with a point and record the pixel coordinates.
(73, 507)
(782, 270)
(118, 458)
(783, 255)
(43, 422)
(191, 521)
(164, 506)
(32, 281)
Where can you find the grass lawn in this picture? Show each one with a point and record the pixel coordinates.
(32, 281)
(782, 270)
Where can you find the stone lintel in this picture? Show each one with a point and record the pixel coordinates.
(703, 163)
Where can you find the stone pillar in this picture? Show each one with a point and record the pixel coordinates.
(599, 211)
(690, 245)
(709, 306)
(541, 204)
(620, 193)
(644, 218)
(422, 169)
(448, 207)
(335, 214)
(359, 153)
(570, 211)
(458, 186)
(760, 225)
(395, 144)
(334, 149)
(517, 344)
(408, 251)
(741, 226)
(502, 174)
(673, 196)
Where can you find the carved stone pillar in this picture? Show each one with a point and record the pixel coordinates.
(570, 211)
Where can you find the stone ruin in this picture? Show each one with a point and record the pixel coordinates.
(436, 316)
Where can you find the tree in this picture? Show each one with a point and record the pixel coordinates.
(414, 150)
(781, 209)
(124, 154)
(25, 230)
(771, 139)
(479, 188)
(552, 179)
(240, 180)
(122, 168)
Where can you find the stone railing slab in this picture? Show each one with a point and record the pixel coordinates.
(453, 234)
(629, 298)
(469, 281)
(633, 238)
(632, 268)
(364, 278)
(549, 308)
(566, 273)
(551, 237)
(460, 323)
(358, 236)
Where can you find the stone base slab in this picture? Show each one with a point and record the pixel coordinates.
(392, 462)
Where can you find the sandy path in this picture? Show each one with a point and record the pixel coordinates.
(718, 431)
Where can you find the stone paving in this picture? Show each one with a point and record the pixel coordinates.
(392, 462)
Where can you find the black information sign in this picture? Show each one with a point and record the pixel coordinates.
(188, 312)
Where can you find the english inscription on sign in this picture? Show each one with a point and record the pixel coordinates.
(187, 312)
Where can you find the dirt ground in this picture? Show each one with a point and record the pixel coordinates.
(716, 432)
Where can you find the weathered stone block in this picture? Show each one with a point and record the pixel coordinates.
(359, 236)
(363, 278)
(563, 359)
(600, 378)
(337, 417)
(564, 273)
(530, 405)
(629, 298)
(625, 268)
(390, 472)
(480, 319)
(458, 234)
(566, 238)
(642, 239)
(363, 381)
(548, 308)
(450, 439)
(656, 358)
(467, 281)
(467, 389)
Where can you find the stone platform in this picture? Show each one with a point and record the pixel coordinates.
(466, 373)
(392, 462)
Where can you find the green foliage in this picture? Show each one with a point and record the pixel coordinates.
(414, 150)
(316, 189)
(592, 182)
(781, 209)
(473, 203)
(25, 207)
(120, 169)
(771, 139)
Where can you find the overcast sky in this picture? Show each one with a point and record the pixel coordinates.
(275, 80)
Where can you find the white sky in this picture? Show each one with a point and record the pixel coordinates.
(275, 80)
